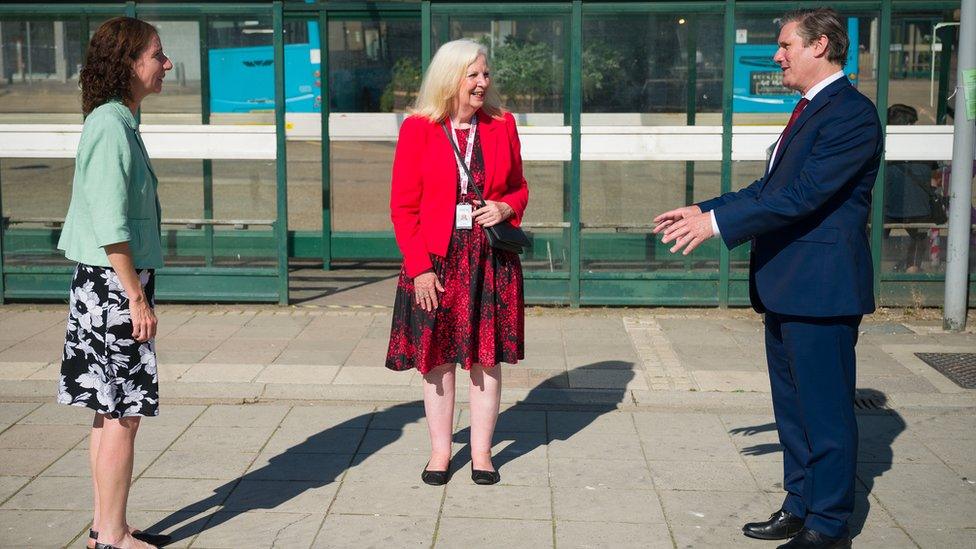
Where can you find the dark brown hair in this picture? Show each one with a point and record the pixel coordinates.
(107, 73)
(813, 23)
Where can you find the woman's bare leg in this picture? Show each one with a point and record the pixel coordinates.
(485, 396)
(439, 408)
(113, 476)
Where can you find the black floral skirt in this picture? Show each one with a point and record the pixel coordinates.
(103, 367)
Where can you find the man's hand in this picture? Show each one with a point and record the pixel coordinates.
(686, 227)
(666, 219)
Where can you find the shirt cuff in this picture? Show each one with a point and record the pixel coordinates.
(714, 224)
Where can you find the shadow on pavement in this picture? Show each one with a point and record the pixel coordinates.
(307, 465)
(877, 431)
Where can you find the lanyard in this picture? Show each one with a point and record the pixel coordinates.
(467, 153)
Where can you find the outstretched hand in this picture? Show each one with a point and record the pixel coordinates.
(687, 227)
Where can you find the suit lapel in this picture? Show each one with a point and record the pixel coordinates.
(819, 101)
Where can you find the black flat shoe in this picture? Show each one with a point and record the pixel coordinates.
(781, 525)
(435, 478)
(811, 539)
(484, 478)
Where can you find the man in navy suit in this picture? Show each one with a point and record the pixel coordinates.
(810, 273)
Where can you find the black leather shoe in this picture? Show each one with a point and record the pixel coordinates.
(781, 525)
(484, 478)
(811, 539)
(435, 478)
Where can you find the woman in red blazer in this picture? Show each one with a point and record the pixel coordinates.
(458, 301)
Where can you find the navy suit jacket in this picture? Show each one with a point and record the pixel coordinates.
(807, 216)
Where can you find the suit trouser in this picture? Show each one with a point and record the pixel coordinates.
(812, 373)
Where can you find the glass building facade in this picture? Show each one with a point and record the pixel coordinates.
(274, 136)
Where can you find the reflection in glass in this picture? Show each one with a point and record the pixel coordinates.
(527, 57)
(924, 53)
(374, 65)
(39, 65)
(619, 200)
(640, 64)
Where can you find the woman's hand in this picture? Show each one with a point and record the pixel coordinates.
(425, 288)
(492, 213)
(143, 320)
(142, 315)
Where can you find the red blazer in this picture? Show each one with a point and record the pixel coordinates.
(425, 175)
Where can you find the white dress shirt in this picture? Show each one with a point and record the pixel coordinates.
(811, 93)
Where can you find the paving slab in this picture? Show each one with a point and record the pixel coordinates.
(466, 499)
(233, 530)
(464, 533)
(374, 532)
(53, 493)
(49, 528)
(410, 497)
(281, 496)
(590, 504)
(589, 535)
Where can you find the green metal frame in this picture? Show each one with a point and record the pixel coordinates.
(573, 286)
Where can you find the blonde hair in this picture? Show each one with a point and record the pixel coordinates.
(442, 81)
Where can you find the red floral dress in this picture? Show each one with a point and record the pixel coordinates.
(480, 315)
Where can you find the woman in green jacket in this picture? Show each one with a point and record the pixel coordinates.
(112, 231)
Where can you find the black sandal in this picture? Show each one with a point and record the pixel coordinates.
(158, 540)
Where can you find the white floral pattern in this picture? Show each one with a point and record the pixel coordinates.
(102, 367)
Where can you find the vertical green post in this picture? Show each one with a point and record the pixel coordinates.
(2, 229)
(85, 36)
(326, 92)
(425, 36)
(691, 102)
(728, 68)
(945, 69)
(877, 199)
(281, 162)
(575, 110)
(208, 207)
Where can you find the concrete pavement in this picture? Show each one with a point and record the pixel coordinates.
(622, 428)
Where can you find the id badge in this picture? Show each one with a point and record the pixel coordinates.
(462, 217)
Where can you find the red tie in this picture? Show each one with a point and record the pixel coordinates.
(796, 114)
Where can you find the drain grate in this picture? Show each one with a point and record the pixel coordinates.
(959, 367)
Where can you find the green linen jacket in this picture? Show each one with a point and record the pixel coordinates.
(113, 196)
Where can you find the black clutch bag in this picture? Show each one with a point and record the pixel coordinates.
(504, 235)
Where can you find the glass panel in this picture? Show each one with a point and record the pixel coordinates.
(39, 65)
(661, 70)
(637, 69)
(361, 185)
(374, 65)
(179, 102)
(744, 173)
(374, 74)
(924, 53)
(620, 198)
(35, 193)
(527, 59)
(759, 97)
(241, 71)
